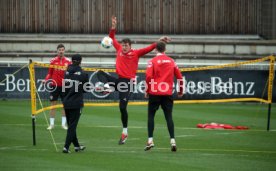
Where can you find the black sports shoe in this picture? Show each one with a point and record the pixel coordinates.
(65, 150)
(80, 148)
(173, 148)
(149, 146)
(123, 139)
(103, 88)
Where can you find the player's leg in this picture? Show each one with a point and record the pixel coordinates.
(105, 77)
(107, 82)
(153, 105)
(167, 106)
(54, 94)
(124, 116)
(73, 116)
(77, 146)
(74, 124)
(63, 120)
(68, 140)
(52, 116)
(123, 87)
(63, 117)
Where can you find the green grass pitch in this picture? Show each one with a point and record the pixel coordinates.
(99, 130)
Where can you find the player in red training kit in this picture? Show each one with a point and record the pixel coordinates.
(126, 66)
(160, 74)
(56, 76)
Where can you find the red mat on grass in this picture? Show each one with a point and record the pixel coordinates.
(220, 126)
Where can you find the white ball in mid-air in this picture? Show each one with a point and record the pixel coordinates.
(106, 42)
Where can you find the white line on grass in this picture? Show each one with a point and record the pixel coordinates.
(142, 127)
(6, 148)
(234, 150)
(126, 149)
(180, 136)
(219, 133)
(228, 133)
(20, 148)
(123, 149)
(212, 154)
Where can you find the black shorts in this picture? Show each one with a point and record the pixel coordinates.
(155, 101)
(56, 91)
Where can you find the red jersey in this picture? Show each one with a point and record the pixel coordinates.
(127, 63)
(57, 74)
(160, 75)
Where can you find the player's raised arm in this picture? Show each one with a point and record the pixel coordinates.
(114, 22)
(112, 32)
(143, 51)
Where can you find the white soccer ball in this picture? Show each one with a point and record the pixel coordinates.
(106, 42)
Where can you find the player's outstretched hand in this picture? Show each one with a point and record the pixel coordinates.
(114, 22)
(165, 39)
(146, 95)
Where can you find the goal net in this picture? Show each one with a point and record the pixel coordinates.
(236, 82)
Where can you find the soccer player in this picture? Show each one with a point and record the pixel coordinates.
(75, 84)
(56, 76)
(126, 66)
(160, 74)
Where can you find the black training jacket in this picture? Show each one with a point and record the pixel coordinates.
(75, 83)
